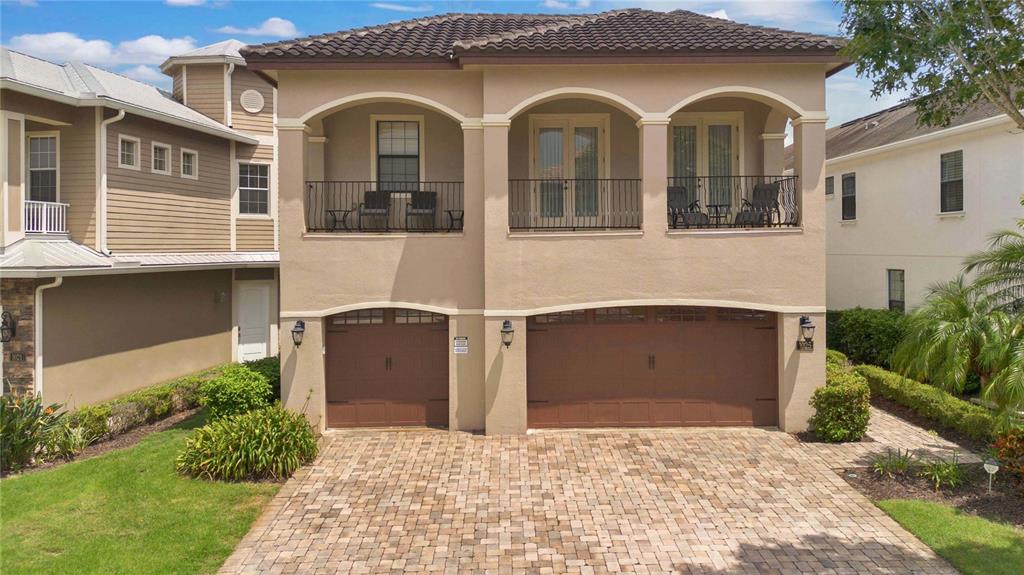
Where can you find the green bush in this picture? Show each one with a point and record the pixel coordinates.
(931, 402)
(833, 357)
(270, 368)
(942, 472)
(65, 441)
(1009, 449)
(841, 408)
(893, 464)
(867, 335)
(269, 443)
(833, 334)
(24, 425)
(238, 389)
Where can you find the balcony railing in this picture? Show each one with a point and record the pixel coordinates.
(570, 204)
(344, 206)
(46, 217)
(711, 202)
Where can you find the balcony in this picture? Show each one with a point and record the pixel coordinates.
(732, 202)
(575, 204)
(46, 217)
(384, 207)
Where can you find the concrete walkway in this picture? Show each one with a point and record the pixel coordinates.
(716, 501)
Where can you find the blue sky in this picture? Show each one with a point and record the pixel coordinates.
(133, 37)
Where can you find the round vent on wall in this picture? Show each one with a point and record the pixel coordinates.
(252, 101)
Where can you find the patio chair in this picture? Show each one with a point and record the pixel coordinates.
(681, 210)
(375, 204)
(762, 209)
(421, 204)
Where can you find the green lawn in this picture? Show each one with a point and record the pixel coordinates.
(125, 512)
(973, 545)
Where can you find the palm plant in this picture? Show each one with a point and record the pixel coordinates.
(1001, 267)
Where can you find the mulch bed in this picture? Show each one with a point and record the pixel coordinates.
(126, 439)
(1005, 503)
(907, 414)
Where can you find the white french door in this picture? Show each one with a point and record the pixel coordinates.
(569, 160)
(706, 145)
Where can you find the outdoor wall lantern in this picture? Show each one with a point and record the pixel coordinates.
(8, 327)
(991, 466)
(806, 341)
(507, 333)
(297, 332)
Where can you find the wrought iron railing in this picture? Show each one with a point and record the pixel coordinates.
(709, 202)
(350, 206)
(46, 217)
(571, 204)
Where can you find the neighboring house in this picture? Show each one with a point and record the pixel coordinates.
(906, 204)
(139, 233)
(496, 222)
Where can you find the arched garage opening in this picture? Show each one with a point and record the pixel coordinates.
(652, 366)
(386, 368)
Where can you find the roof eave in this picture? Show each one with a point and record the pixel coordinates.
(183, 60)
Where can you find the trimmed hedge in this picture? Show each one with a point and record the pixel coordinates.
(842, 407)
(270, 368)
(865, 335)
(143, 406)
(833, 357)
(931, 402)
(238, 389)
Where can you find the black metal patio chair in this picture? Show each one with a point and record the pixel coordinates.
(421, 205)
(376, 204)
(762, 209)
(682, 210)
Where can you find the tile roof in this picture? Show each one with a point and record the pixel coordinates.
(89, 85)
(620, 32)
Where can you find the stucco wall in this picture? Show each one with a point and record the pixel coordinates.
(899, 225)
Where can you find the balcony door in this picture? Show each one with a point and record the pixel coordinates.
(569, 160)
(706, 145)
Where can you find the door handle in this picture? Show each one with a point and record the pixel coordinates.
(654, 361)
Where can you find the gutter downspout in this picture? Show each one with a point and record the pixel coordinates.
(38, 331)
(101, 192)
(227, 94)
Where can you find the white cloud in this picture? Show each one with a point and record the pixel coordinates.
(402, 7)
(146, 74)
(152, 49)
(64, 46)
(185, 2)
(562, 5)
(848, 97)
(721, 14)
(274, 26)
(583, 3)
(556, 4)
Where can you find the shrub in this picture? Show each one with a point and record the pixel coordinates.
(841, 408)
(269, 443)
(237, 390)
(270, 368)
(24, 424)
(92, 418)
(833, 333)
(1009, 449)
(65, 440)
(833, 357)
(931, 402)
(942, 472)
(869, 335)
(893, 464)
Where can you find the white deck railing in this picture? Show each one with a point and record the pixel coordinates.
(46, 217)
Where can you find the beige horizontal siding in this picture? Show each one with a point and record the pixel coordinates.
(205, 89)
(261, 122)
(253, 234)
(176, 90)
(261, 152)
(157, 212)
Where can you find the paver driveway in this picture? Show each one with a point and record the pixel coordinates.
(649, 501)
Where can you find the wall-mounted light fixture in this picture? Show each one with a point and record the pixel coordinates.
(8, 327)
(297, 332)
(507, 333)
(806, 341)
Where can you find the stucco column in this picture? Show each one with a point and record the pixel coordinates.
(466, 370)
(302, 371)
(774, 145)
(800, 372)
(654, 172)
(505, 395)
(315, 158)
(809, 167)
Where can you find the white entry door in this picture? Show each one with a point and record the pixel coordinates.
(253, 320)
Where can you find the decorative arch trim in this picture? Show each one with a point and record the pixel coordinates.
(760, 94)
(587, 93)
(656, 302)
(378, 304)
(363, 97)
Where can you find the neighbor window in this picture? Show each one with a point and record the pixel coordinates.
(42, 168)
(830, 185)
(253, 188)
(897, 290)
(398, 154)
(161, 158)
(952, 177)
(128, 156)
(189, 164)
(849, 196)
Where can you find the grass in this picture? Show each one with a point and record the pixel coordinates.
(974, 545)
(126, 511)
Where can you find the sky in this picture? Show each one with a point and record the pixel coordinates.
(133, 37)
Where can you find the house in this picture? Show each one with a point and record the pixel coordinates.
(501, 222)
(139, 228)
(905, 204)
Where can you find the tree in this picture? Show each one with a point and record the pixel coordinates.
(1001, 267)
(949, 53)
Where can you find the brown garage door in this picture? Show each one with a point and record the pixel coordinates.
(652, 366)
(387, 367)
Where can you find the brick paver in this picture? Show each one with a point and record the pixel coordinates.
(711, 501)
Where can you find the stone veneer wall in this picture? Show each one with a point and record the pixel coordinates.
(17, 296)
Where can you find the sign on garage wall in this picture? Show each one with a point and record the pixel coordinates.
(460, 345)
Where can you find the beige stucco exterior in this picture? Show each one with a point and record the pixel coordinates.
(487, 274)
(899, 224)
